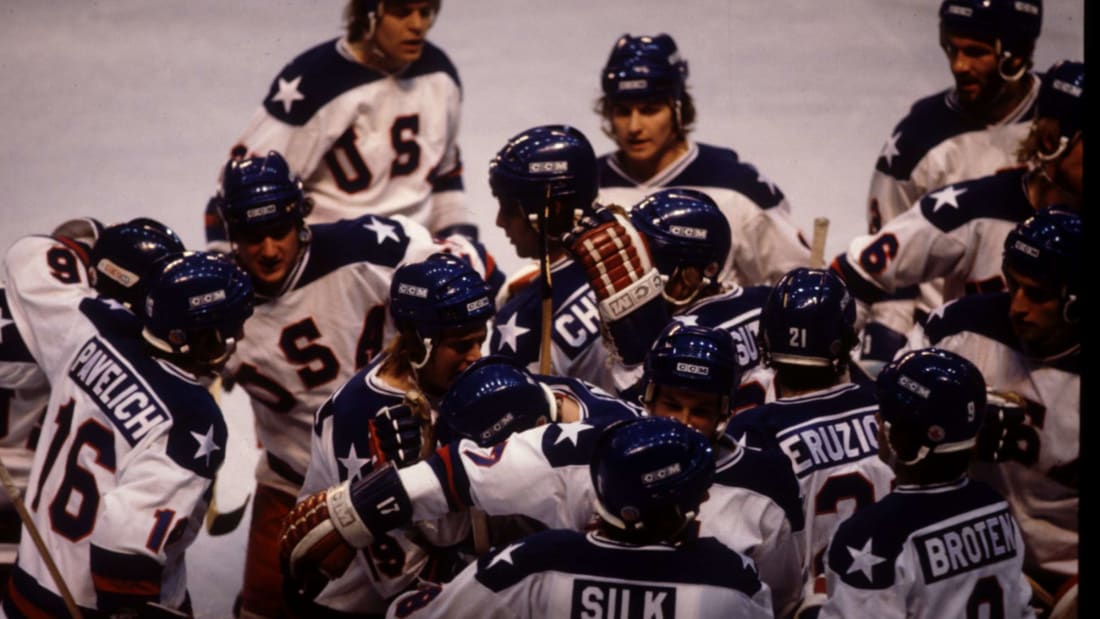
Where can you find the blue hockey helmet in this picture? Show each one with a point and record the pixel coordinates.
(441, 292)
(701, 359)
(1048, 247)
(195, 306)
(644, 67)
(259, 193)
(361, 16)
(1061, 97)
(122, 255)
(493, 398)
(684, 227)
(1011, 25)
(651, 474)
(935, 398)
(550, 162)
(808, 319)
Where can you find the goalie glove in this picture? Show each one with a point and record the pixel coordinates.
(619, 267)
(322, 532)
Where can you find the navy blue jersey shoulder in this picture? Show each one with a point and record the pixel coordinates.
(882, 528)
(370, 238)
(998, 196)
(323, 73)
(702, 562)
(12, 346)
(724, 309)
(762, 424)
(984, 314)
(197, 435)
(716, 166)
(352, 409)
(767, 472)
(576, 317)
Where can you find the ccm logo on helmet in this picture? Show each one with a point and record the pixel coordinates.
(688, 232)
(660, 474)
(960, 10)
(911, 385)
(412, 291)
(633, 85)
(476, 305)
(259, 211)
(502, 423)
(1026, 7)
(547, 167)
(691, 368)
(206, 299)
(1067, 88)
(1023, 247)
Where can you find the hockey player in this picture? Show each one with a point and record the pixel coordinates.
(385, 412)
(822, 420)
(132, 441)
(647, 110)
(691, 376)
(322, 316)
(1027, 343)
(974, 128)
(543, 178)
(941, 544)
(369, 121)
(119, 255)
(957, 232)
(643, 556)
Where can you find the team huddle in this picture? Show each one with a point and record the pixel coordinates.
(677, 409)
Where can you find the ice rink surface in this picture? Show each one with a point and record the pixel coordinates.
(123, 108)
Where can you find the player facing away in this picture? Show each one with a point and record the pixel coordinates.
(1027, 343)
(753, 508)
(119, 256)
(386, 412)
(662, 262)
(648, 112)
(369, 121)
(821, 420)
(941, 544)
(322, 316)
(956, 232)
(131, 441)
(643, 558)
(543, 178)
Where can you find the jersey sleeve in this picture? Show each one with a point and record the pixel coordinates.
(449, 203)
(888, 198)
(457, 598)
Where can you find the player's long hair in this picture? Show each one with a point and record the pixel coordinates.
(684, 121)
(400, 353)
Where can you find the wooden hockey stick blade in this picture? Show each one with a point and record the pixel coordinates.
(817, 247)
(221, 523)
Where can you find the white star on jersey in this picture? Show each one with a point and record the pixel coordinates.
(510, 332)
(207, 445)
(288, 93)
(569, 432)
(505, 555)
(382, 231)
(890, 149)
(863, 559)
(948, 196)
(353, 463)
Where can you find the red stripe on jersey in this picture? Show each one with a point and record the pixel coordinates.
(125, 586)
(24, 605)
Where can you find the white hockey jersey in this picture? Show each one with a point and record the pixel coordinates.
(937, 144)
(128, 451)
(330, 321)
(1043, 485)
(754, 505)
(564, 574)
(364, 141)
(766, 243)
(950, 550)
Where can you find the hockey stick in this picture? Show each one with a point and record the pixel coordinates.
(547, 289)
(817, 247)
(32, 530)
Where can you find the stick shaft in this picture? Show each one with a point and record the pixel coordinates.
(817, 247)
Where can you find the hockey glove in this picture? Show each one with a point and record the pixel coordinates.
(619, 266)
(396, 435)
(1005, 434)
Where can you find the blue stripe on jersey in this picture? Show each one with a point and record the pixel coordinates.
(26, 598)
(352, 408)
(767, 472)
(325, 75)
(370, 238)
(891, 521)
(999, 196)
(12, 346)
(930, 122)
(137, 393)
(447, 466)
(123, 579)
(703, 561)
